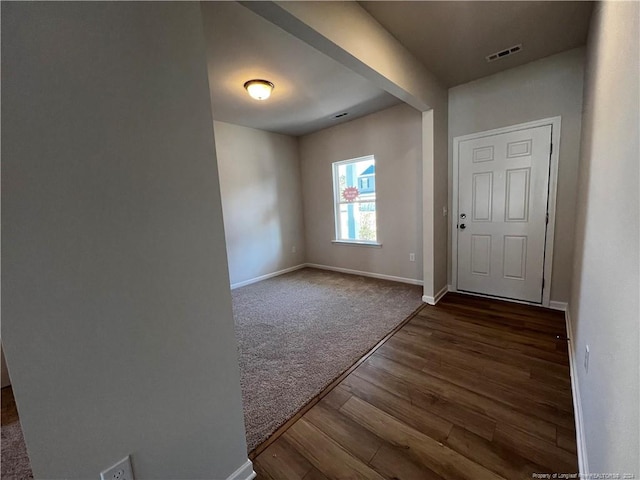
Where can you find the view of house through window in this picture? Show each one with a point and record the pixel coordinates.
(354, 187)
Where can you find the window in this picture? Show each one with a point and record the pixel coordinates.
(354, 188)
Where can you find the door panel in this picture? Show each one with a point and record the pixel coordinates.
(515, 257)
(502, 202)
(481, 254)
(517, 209)
(482, 195)
(483, 154)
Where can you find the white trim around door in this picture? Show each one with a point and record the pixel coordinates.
(555, 123)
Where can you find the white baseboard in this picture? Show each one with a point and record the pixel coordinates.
(268, 275)
(327, 267)
(365, 274)
(583, 464)
(245, 472)
(437, 297)
(562, 306)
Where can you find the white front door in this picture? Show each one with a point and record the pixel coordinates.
(503, 188)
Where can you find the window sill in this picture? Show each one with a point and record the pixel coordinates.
(355, 243)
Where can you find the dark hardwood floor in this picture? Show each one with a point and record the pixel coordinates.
(9, 410)
(469, 389)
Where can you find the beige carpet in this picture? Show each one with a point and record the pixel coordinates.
(15, 461)
(299, 331)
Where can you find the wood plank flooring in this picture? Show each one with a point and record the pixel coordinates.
(469, 389)
(9, 409)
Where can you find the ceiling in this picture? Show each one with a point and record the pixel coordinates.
(310, 88)
(453, 38)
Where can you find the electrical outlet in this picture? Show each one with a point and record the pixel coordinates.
(586, 358)
(120, 471)
(444, 211)
(412, 257)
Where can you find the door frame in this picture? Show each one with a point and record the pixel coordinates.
(555, 123)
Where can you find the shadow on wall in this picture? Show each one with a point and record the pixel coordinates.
(604, 299)
(252, 220)
(261, 199)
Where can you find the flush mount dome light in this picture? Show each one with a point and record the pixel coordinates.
(259, 89)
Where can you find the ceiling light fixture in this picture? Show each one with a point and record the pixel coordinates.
(259, 89)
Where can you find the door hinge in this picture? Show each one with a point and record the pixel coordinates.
(547, 219)
(551, 149)
(543, 284)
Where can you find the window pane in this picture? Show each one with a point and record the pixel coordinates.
(359, 175)
(355, 188)
(358, 221)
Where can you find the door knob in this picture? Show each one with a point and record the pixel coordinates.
(462, 226)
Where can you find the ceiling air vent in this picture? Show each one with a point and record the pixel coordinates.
(504, 53)
(341, 115)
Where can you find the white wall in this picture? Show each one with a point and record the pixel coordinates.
(604, 303)
(394, 137)
(116, 308)
(545, 88)
(261, 200)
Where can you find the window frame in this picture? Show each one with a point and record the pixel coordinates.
(337, 202)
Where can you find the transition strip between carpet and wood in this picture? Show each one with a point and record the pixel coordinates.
(285, 426)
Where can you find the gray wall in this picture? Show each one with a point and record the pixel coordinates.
(394, 137)
(604, 305)
(261, 200)
(116, 309)
(440, 196)
(546, 88)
